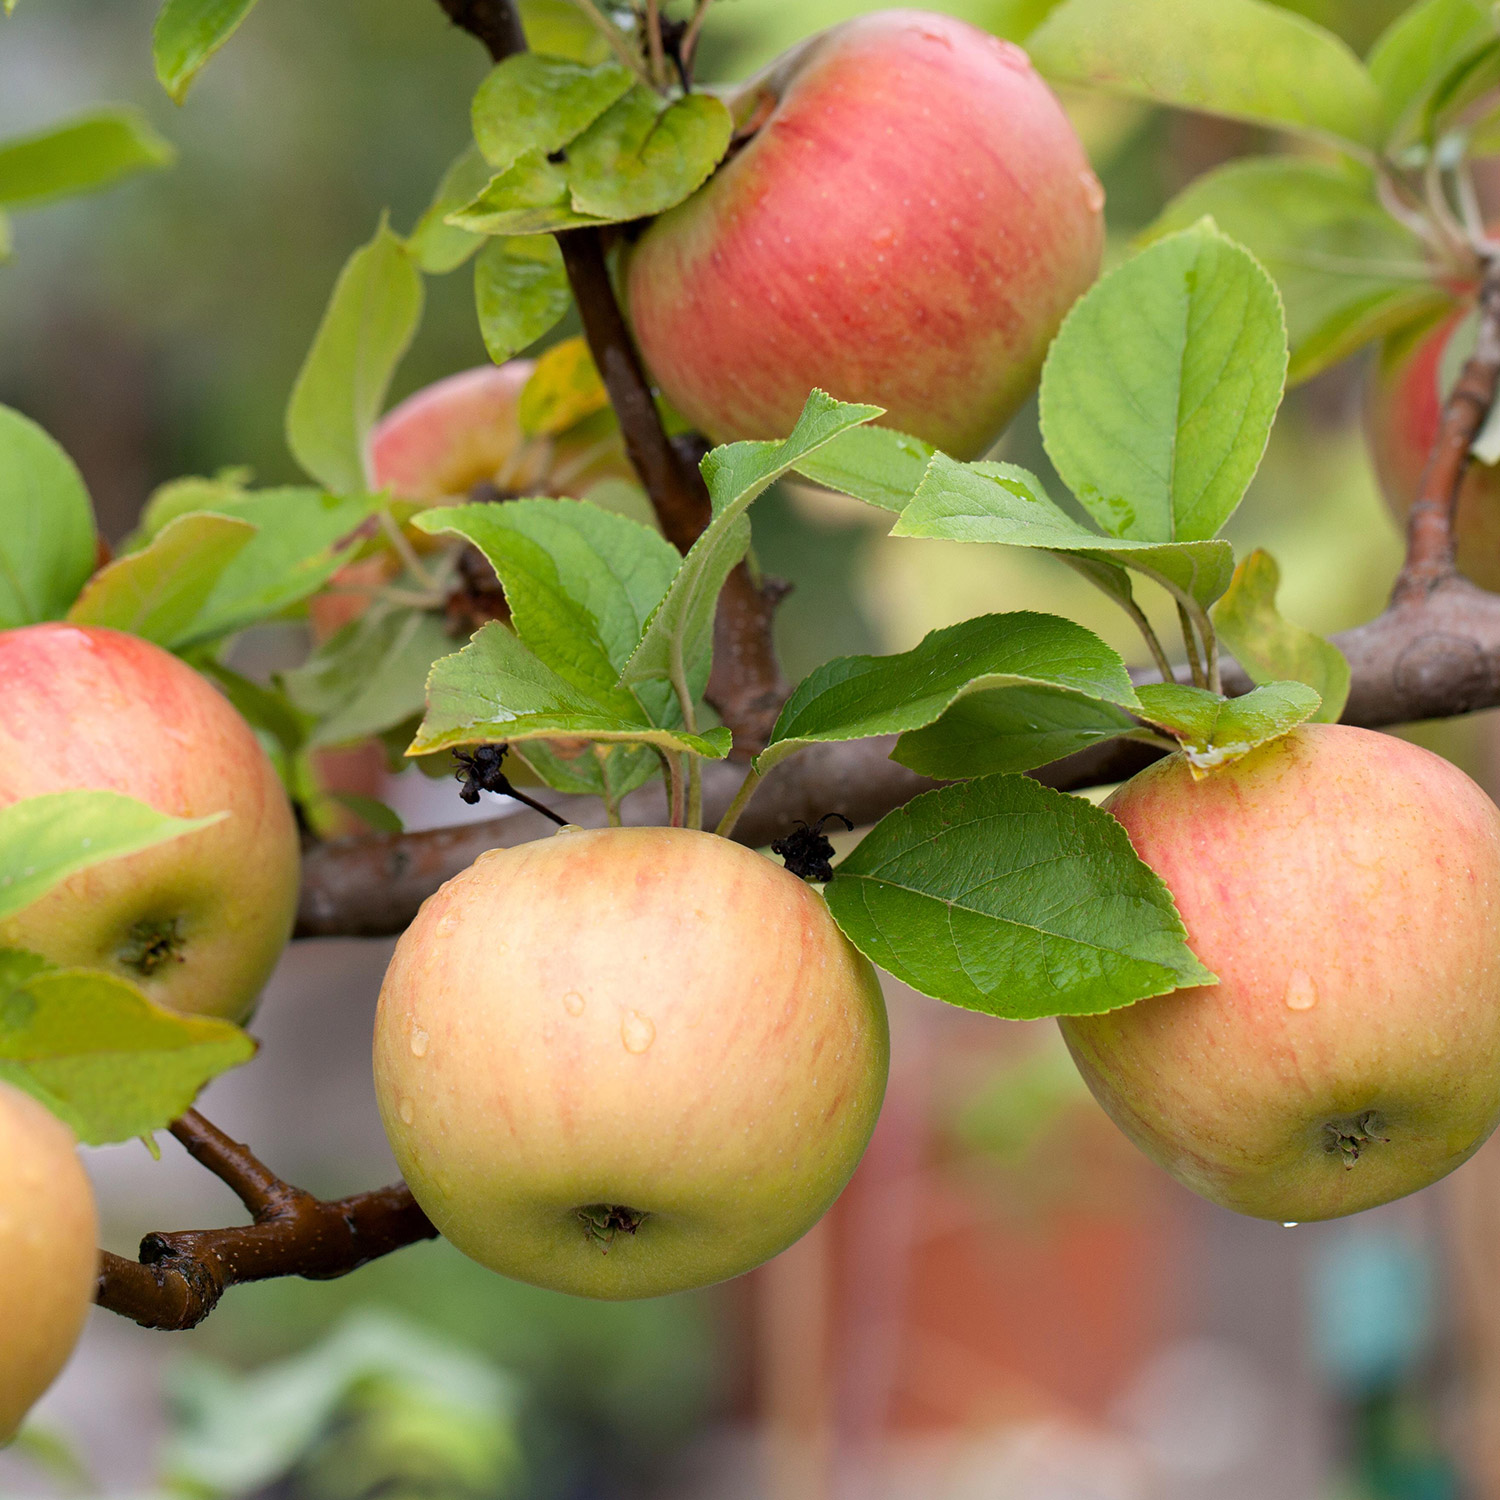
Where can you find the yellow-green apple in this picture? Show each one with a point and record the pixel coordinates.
(198, 922)
(907, 225)
(627, 1062)
(1402, 411)
(48, 1255)
(1344, 887)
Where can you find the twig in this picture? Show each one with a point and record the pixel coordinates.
(618, 41)
(689, 47)
(654, 47)
(180, 1276)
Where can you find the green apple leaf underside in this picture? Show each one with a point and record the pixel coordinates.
(366, 329)
(521, 291)
(1213, 730)
(45, 839)
(856, 697)
(1160, 389)
(878, 465)
(1241, 58)
(1347, 271)
(1272, 649)
(47, 538)
(1002, 896)
(532, 102)
(437, 246)
(187, 34)
(100, 1055)
(79, 156)
(1420, 48)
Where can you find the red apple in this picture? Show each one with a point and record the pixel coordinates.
(48, 1255)
(198, 922)
(1402, 411)
(908, 225)
(627, 1062)
(1343, 885)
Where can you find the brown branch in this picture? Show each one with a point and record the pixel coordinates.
(180, 1276)
(496, 23)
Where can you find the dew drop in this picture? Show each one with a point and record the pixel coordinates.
(407, 1111)
(573, 1003)
(419, 1041)
(1301, 992)
(1093, 191)
(636, 1031)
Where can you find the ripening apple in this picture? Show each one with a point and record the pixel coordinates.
(908, 224)
(627, 1062)
(48, 1256)
(1402, 411)
(198, 922)
(1344, 886)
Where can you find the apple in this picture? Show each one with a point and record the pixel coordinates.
(627, 1062)
(199, 922)
(48, 1259)
(1402, 411)
(1343, 885)
(907, 225)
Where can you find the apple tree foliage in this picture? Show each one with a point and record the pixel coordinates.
(1157, 400)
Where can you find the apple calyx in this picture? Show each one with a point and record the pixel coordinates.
(1352, 1134)
(603, 1221)
(151, 944)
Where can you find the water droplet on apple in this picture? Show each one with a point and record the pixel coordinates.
(1289, 1224)
(636, 1031)
(1301, 992)
(573, 1003)
(419, 1041)
(407, 1111)
(1093, 191)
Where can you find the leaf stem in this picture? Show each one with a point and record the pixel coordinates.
(653, 44)
(741, 801)
(1190, 640)
(404, 549)
(690, 39)
(694, 791)
(617, 40)
(1153, 641)
(676, 791)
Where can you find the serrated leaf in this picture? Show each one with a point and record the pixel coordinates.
(1003, 896)
(1012, 729)
(1420, 47)
(521, 291)
(437, 246)
(188, 33)
(497, 689)
(47, 538)
(82, 155)
(1160, 389)
(104, 1058)
(857, 697)
(563, 389)
(678, 642)
(1241, 58)
(1272, 649)
(368, 325)
(45, 839)
(1213, 730)
(1347, 271)
(532, 102)
(990, 502)
(160, 591)
(878, 465)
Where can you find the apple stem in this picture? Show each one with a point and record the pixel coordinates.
(689, 45)
(741, 801)
(1429, 534)
(1190, 640)
(1153, 641)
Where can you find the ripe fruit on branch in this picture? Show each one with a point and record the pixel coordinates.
(197, 923)
(627, 1062)
(48, 1254)
(1402, 410)
(1344, 886)
(908, 225)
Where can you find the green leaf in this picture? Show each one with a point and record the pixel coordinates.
(372, 812)
(531, 102)
(560, 29)
(265, 709)
(1003, 896)
(368, 326)
(875, 464)
(181, 497)
(47, 538)
(521, 291)
(1240, 58)
(564, 389)
(1347, 271)
(160, 591)
(989, 502)
(435, 245)
(529, 197)
(1160, 389)
(1271, 649)
(79, 156)
(1012, 729)
(7, 238)
(857, 697)
(44, 840)
(101, 1056)
(678, 641)
(1214, 730)
(188, 33)
(497, 689)
(1420, 48)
